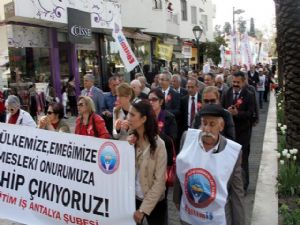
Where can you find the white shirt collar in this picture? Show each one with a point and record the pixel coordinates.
(166, 91)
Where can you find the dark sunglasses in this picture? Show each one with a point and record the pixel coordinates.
(153, 99)
(49, 112)
(210, 101)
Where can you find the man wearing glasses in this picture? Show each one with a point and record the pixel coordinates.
(211, 95)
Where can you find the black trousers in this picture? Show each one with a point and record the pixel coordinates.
(243, 138)
(158, 216)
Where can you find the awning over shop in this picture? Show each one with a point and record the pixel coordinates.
(137, 35)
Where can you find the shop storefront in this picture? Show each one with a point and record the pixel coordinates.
(54, 44)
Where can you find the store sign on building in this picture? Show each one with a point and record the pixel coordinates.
(164, 52)
(187, 52)
(79, 26)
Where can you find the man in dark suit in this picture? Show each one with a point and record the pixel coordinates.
(176, 84)
(222, 87)
(172, 98)
(95, 93)
(210, 95)
(190, 104)
(239, 102)
(253, 77)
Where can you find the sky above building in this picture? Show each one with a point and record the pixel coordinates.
(263, 12)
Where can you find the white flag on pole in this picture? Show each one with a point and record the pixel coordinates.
(126, 54)
(233, 40)
(246, 50)
(222, 56)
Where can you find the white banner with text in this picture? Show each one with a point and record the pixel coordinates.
(58, 178)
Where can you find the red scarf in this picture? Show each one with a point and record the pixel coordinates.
(13, 119)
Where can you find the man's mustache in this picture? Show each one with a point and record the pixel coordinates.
(208, 134)
(236, 86)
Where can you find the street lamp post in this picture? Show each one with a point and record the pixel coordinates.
(237, 11)
(197, 30)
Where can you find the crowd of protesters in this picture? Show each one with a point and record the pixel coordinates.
(194, 116)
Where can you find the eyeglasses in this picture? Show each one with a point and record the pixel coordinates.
(80, 104)
(49, 112)
(10, 109)
(210, 101)
(153, 99)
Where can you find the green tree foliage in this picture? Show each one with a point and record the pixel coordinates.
(227, 28)
(211, 49)
(241, 25)
(218, 31)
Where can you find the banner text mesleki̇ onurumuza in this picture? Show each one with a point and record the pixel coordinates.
(57, 178)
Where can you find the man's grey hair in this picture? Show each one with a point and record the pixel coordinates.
(177, 76)
(13, 101)
(142, 79)
(220, 76)
(169, 74)
(137, 82)
(137, 75)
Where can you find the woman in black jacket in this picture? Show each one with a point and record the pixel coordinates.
(165, 120)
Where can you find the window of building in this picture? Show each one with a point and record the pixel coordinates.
(183, 10)
(204, 22)
(194, 14)
(142, 51)
(27, 66)
(157, 4)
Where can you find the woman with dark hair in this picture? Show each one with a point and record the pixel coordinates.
(54, 119)
(165, 120)
(167, 126)
(151, 164)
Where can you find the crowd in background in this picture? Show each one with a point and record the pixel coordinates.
(153, 116)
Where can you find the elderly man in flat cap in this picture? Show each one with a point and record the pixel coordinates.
(95, 93)
(209, 186)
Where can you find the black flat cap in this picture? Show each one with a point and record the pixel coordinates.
(212, 110)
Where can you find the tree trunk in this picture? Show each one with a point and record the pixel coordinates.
(288, 39)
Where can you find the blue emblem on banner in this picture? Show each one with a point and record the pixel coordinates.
(108, 158)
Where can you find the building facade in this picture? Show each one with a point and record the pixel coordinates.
(54, 41)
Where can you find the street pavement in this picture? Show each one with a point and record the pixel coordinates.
(254, 162)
